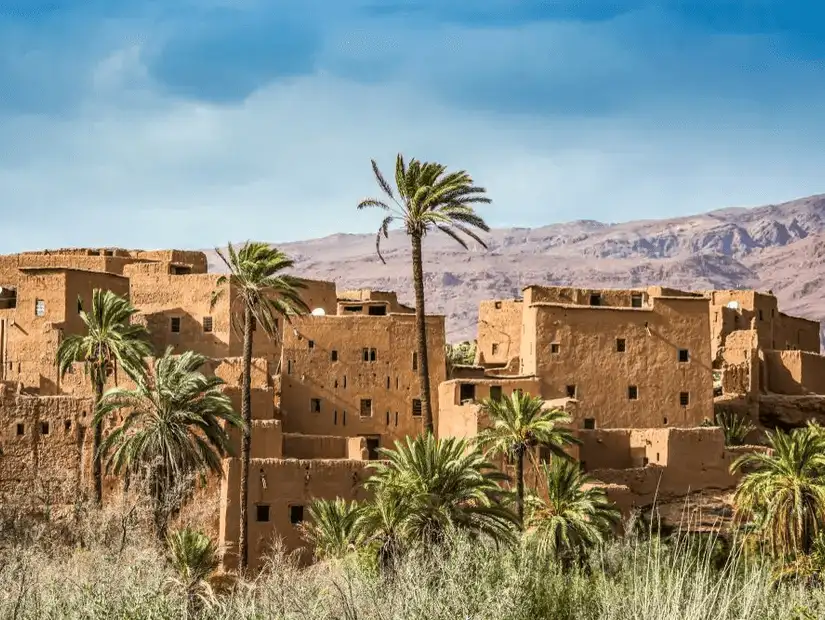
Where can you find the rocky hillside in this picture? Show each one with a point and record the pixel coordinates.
(775, 247)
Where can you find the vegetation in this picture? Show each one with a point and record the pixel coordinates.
(519, 423)
(264, 293)
(735, 426)
(172, 428)
(332, 529)
(194, 557)
(111, 340)
(426, 199)
(575, 517)
(461, 354)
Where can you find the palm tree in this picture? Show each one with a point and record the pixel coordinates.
(174, 428)
(443, 483)
(332, 528)
(265, 293)
(111, 339)
(383, 523)
(785, 490)
(427, 200)
(194, 556)
(461, 354)
(575, 516)
(520, 423)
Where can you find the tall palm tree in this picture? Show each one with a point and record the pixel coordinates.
(174, 428)
(264, 294)
(519, 423)
(111, 340)
(444, 483)
(575, 515)
(427, 199)
(332, 528)
(784, 491)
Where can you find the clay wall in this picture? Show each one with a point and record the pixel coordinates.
(499, 330)
(616, 298)
(332, 365)
(298, 446)
(348, 302)
(575, 351)
(284, 490)
(795, 372)
(796, 333)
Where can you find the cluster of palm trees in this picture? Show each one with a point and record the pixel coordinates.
(426, 487)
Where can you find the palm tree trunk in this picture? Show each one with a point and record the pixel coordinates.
(421, 333)
(97, 470)
(520, 484)
(246, 414)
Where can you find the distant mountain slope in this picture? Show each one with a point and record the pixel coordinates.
(775, 247)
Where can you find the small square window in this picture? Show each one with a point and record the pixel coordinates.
(684, 355)
(174, 324)
(636, 300)
(466, 391)
(555, 347)
(334, 356)
(366, 407)
(262, 513)
(311, 344)
(495, 392)
(39, 307)
(632, 392)
(498, 305)
(296, 514)
(207, 324)
(589, 423)
(315, 405)
(20, 429)
(373, 355)
(684, 399)
(416, 407)
(571, 391)
(44, 428)
(620, 345)
(67, 425)
(595, 299)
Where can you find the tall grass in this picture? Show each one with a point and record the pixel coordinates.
(632, 579)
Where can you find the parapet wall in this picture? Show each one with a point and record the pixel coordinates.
(795, 372)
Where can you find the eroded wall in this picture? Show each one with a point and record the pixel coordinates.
(499, 330)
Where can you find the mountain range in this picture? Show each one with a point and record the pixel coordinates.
(778, 248)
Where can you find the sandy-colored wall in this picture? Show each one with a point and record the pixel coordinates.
(298, 446)
(281, 484)
(619, 298)
(795, 372)
(499, 328)
(796, 332)
(588, 359)
(390, 381)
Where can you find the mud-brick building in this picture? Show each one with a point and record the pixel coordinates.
(629, 358)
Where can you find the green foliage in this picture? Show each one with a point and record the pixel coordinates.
(194, 558)
(428, 198)
(172, 429)
(332, 528)
(461, 354)
(574, 517)
(735, 426)
(256, 272)
(782, 493)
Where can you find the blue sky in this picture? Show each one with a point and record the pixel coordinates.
(187, 123)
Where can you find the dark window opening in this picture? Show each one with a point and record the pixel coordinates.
(344, 417)
(684, 398)
(498, 305)
(620, 345)
(335, 417)
(39, 307)
(760, 315)
(664, 421)
(388, 419)
(311, 344)
(388, 383)
(315, 405)
(365, 354)
(345, 381)
(589, 423)
(181, 271)
(333, 355)
(262, 513)
(289, 367)
(415, 361)
(416, 407)
(657, 457)
(174, 324)
(595, 299)
(353, 308)
(684, 355)
(44, 428)
(20, 429)
(8, 298)
(373, 443)
(632, 392)
(366, 407)
(645, 461)
(495, 392)
(67, 425)
(494, 348)
(335, 383)
(571, 391)
(79, 305)
(396, 418)
(636, 301)
(373, 355)
(207, 324)
(555, 347)
(466, 391)
(296, 514)
(377, 310)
